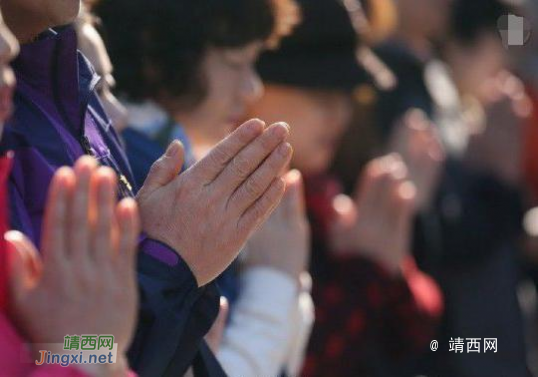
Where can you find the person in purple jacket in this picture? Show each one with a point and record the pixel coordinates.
(194, 224)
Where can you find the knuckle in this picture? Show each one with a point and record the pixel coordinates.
(241, 166)
(266, 202)
(258, 211)
(155, 167)
(252, 187)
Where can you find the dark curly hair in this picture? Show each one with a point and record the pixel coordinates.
(157, 46)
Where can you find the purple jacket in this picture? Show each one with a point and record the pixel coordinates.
(57, 119)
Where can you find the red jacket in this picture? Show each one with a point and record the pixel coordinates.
(364, 317)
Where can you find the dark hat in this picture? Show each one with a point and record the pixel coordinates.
(324, 52)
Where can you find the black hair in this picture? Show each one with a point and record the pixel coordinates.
(157, 46)
(471, 18)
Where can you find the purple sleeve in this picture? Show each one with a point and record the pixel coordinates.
(165, 254)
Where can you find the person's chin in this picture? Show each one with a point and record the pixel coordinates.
(69, 12)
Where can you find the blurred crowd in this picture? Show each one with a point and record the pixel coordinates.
(266, 188)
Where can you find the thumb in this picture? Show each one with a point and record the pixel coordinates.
(403, 206)
(294, 198)
(25, 266)
(345, 210)
(165, 169)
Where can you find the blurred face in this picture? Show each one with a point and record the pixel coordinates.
(232, 84)
(317, 120)
(476, 64)
(426, 18)
(9, 48)
(28, 18)
(92, 46)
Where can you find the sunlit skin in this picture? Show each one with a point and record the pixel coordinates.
(92, 46)
(231, 84)
(317, 120)
(28, 18)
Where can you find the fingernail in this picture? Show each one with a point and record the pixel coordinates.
(173, 149)
(256, 122)
(255, 126)
(65, 179)
(285, 125)
(284, 149)
(281, 129)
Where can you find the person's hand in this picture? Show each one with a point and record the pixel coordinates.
(85, 280)
(208, 212)
(497, 147)
(283, 242)
(416, 140)
(377, 223)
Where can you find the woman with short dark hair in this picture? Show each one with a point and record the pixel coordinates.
(186, 68)
(211, 65)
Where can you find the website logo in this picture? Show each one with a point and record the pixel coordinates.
(79, 349)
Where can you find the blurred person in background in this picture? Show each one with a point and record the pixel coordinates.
(479, 65)
(361, 141)
(270, 312)
(468, 225)
(496, 109)
(375, 311)
(59, 118)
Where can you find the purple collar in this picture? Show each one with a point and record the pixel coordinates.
(49, 72)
